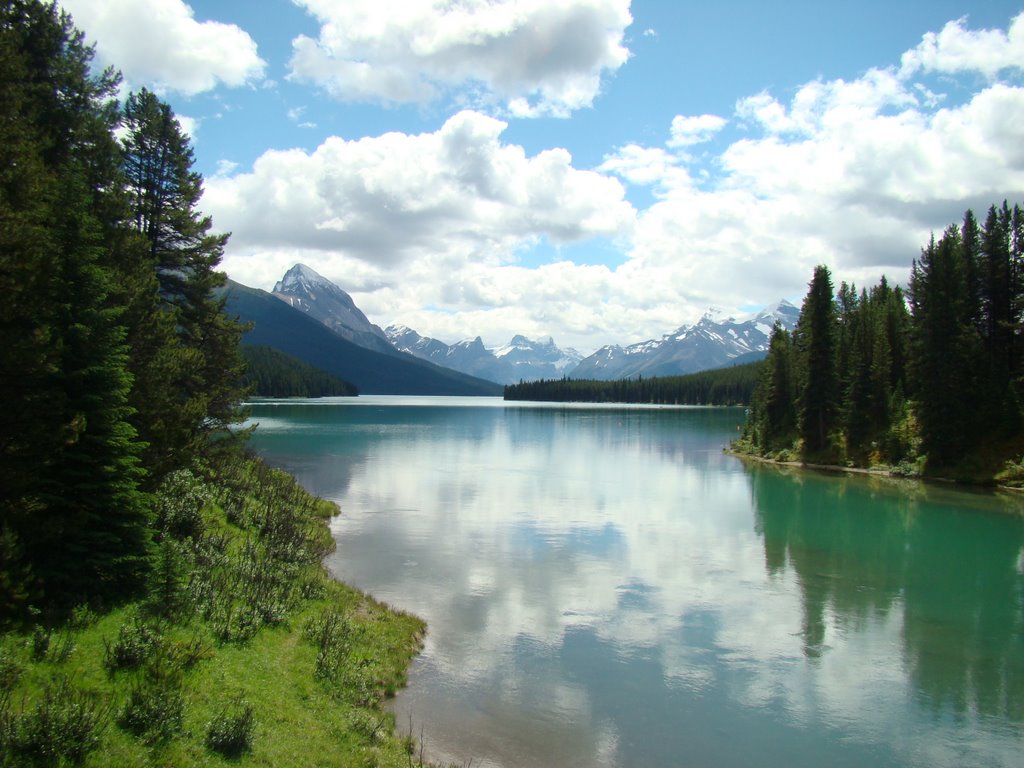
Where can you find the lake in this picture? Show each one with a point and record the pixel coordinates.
(604, 586)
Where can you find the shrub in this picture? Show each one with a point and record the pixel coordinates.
(136, 641)
(332, 634)
(230, 732)
(10, 671)
(179, 505)
(154, 711)
(64, 727)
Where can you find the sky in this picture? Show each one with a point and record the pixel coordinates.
(597, 171)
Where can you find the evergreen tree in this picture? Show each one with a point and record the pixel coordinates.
(816, 342)
(1000, 291)
(195, 388)
(69, 473)
(774, 409)
(945, 347)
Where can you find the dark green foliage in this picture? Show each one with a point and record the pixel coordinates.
(816, 344)
(723, 386)
(773, 414)
(945, 350)
(272, 373)
(201, 369)
(117, 362)
(155, 709)
(893, 379)
(231, 730)
(69, 468)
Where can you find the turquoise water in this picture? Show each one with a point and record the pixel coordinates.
(605, 587)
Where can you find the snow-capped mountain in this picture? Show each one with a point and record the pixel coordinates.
(520, 360)
(303, 289)
(713, 342)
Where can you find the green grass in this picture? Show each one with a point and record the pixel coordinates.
(299, 718)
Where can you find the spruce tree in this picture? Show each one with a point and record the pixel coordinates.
(816, 342)
(196, 390)
(70, 506)
(944, 352)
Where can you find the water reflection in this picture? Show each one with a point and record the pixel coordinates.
(863, 551)
(608, 588)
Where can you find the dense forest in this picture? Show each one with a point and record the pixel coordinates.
(118, 364)
(272, 373)
(723, 386)
(928, 380)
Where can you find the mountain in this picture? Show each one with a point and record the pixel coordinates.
(279, 325)
(303, 289)
(713, 342)
(519, 360)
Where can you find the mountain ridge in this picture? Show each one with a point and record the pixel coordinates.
(521, 359)
(277, 324)
(714, 341)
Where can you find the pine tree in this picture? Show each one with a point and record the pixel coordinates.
(773, 410)
(945, 349)
(196, 391)
(69, 472)
(816, 342)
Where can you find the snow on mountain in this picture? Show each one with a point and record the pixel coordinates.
(713, 341)
(520, 360)
(306, 290)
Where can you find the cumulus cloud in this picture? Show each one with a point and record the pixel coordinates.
(852, 173)
(536, 56)
(452, 205)
(159, 43)
(457, 233)
(958, 49)
(687, 131)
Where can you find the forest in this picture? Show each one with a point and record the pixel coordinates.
(923, 381)
(119, 366)
(162, 595)
(272, 373)
(723, 386)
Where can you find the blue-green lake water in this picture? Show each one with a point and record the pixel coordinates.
(606, 587)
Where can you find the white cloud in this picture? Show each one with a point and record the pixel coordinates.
(958, 49)
(190, 125)
(851, 173)
(536, 56)
(437, 230)
(687, 131)
(158, 43)
(412, 220)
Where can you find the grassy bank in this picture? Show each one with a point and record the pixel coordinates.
(242, 652)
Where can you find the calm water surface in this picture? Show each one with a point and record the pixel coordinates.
(604, 587)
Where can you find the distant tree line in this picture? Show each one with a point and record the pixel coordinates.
(723, 386)
(117, 363)
(272, 373)
(930, 379)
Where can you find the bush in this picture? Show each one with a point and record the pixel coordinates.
(230, 732)
(332, 634)
(64, 727)
(179, 505)
(136, 641)
(10, 671)
(154, 711)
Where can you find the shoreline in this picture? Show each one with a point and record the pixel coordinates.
(875, 472)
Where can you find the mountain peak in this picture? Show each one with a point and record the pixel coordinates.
(303, 288)
(302, 276)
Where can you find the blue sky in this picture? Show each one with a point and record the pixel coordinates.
(601, 171)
